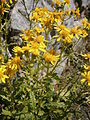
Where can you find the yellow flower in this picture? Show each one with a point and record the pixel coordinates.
(2, 74)
(50, 56)
(5, 1)
(83, 34)
(77, 12)
(67, 2)
(76, 32)
(72, 11)
(0, 57)
(67, 12)
(35, 47)
(4, 9)
(64, 33)
(15, 63)
(86, 56)
(38, 30)
(57, 2)
(5, 5)
(57, 16)
(85, 24)
(47, 22)
(35, 17)
(38, 13)
(27, 35)
(61, 27)
(39, 39)
(67, 40)
(26, 48)
(18, 50)
(87, 67)
(9, 70)
(86, 77)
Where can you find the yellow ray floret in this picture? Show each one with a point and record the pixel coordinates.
(5, 5)
(87, 67)
(86, 77)
(3, 76)
(85, 23)
(86, 56)
(50, 56)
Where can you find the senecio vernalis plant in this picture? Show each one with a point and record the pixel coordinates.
(30, 88)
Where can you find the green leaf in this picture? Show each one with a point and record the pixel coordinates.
(58, 111)
(6, 112)
(55, 76)
(40, 113)
(5, 98)
(25, 109)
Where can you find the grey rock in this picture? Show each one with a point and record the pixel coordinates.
(18, 21)
(59, 69)
(85, 2)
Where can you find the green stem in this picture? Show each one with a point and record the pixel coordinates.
(47, 68)
(57, 61)
(0, 27)
(10, 89)
(6, 32)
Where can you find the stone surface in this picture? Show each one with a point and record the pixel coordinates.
(85, 2)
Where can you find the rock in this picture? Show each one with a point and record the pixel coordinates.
(61, 68)
(85, 2)
(18, 21)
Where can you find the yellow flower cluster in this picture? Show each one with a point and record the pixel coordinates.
(13, 65)
(46, 18)
(5, 5)
(49, 19)
(57, 2)
(3, 76)
(35, 40)
(67, 34)
(36, 44)
(10, 68)
(86, 73)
